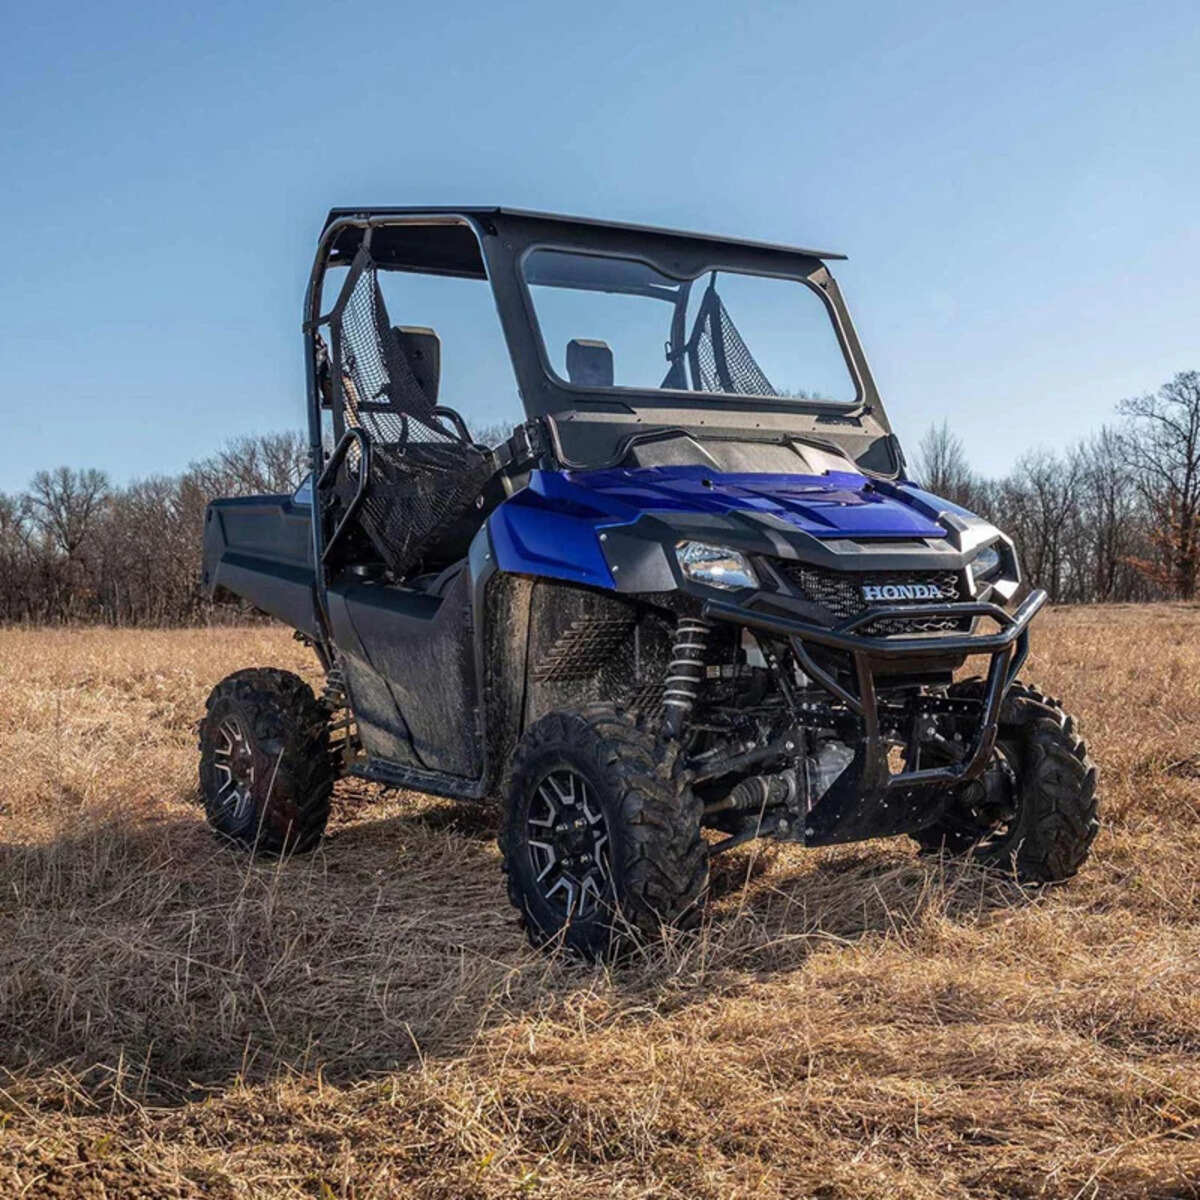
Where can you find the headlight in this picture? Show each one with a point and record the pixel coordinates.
(986, 564)
(715, 565)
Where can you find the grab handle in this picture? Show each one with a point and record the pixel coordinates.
(459, 424)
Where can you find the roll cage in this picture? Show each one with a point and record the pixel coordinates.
(586, 426)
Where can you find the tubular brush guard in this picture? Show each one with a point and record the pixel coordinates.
(868, 799)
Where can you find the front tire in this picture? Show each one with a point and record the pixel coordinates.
(601, 842)
(266, 769)
(1035, 810)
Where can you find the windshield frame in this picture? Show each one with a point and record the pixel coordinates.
(676, 398)
(586, 425)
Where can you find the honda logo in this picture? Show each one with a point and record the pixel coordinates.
(874, 593)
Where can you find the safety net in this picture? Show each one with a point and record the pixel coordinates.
(720, 359)
(412, 470)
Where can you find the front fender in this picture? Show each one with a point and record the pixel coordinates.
(553, 529)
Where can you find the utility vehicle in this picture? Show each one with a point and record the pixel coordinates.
(693, 599)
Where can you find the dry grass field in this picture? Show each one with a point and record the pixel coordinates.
(367, 1022)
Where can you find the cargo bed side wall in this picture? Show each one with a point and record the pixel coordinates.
(259, 548)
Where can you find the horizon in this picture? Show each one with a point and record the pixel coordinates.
(1009, 187)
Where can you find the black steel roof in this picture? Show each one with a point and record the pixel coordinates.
(336, 214)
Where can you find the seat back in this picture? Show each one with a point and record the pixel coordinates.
(589, 362)
(422, 350)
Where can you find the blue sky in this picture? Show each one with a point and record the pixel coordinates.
(1016, 185)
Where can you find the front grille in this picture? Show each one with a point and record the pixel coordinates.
(841, 593)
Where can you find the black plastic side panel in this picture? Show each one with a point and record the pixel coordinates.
(260, 549)
(423, 646)
(380, 726)
(502, 616)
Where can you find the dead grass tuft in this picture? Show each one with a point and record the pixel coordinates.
(367, 1022)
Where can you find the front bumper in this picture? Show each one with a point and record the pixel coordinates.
(868, 799)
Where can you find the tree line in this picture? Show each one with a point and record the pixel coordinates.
(1114, 517)
(75, 548)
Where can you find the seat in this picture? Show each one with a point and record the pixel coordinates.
(589, 363)
(422, 350)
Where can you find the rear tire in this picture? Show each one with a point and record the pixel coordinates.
(1051, 780)
(266, 770)
(601, 842)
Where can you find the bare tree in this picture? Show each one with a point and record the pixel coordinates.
(13, 534)
(65, 508)
(66, 505)
(1162, 444)
(942, 465)
(1036, 501)
(1107, 530)
(73, 547)
(17, 593)
(248, 466)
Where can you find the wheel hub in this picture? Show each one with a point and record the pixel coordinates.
(991, 799)
(569, 843)
(233, 758)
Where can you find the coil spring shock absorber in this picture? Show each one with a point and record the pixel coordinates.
(685, 673)
(343, 730)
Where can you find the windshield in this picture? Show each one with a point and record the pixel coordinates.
(609, 322)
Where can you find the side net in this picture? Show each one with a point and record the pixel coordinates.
(720, 360)
(422, 471)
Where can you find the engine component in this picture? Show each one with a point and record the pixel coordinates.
(824, 767)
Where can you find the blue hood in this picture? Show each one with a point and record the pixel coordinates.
(553, 527)
(837, 504)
